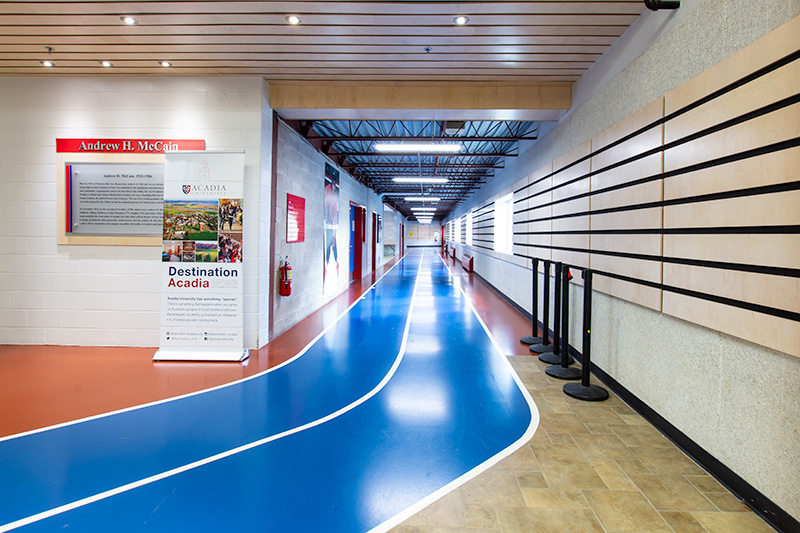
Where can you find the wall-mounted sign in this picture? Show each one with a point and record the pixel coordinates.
(129, 146)
(114, 198)
(295, 218)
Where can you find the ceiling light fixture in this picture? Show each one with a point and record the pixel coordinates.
(461, 20)
(47, 63)
(294, 20)
(419, 179)
(106, 63)
(424, 209)
(130, 21)
(165, 63)
(421, 199)
(414, 148)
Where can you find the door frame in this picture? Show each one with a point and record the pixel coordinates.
(359, 231)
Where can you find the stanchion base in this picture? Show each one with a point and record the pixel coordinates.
(531, 340)
(541, 348)
(563, 373)
(554, 359)
(592, 393)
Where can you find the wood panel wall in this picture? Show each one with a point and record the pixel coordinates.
(732, 223)
(533, 224)
(627, 190)
(483, 227)
(690, 206)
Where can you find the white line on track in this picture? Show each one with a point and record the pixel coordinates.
(203, 391)
(414, 509)
(157, 477)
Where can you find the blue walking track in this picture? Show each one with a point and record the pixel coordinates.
(402, 399)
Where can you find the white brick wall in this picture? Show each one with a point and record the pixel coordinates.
(108, 295)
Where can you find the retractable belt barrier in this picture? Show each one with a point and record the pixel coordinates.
(584, 390)
(557, 354)
(563, 370)
(545, 345)
(534, 338)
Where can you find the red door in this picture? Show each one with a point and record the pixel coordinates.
(374, 240)
(360, 238)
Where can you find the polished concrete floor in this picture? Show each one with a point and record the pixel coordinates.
(589, 467)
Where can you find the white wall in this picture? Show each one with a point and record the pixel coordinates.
(109, 295)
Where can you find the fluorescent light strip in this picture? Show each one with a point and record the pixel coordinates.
(424, 208)
(413, 148)
(419, 179)
(421, 199)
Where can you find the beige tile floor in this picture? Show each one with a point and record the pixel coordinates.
(590, 467)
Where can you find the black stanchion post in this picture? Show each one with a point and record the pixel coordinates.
(544, 346)
(533, 338)
(584, 390)
(563, 370)
(554, 357)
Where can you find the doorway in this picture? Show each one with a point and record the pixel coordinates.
(374, 240)
(358, 216)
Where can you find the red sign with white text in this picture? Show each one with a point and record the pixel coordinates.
(295, 218)
(128, 146)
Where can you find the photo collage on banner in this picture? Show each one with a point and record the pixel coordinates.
(331, 258)
(202, 252)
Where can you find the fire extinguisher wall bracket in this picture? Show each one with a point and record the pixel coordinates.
(285, 283)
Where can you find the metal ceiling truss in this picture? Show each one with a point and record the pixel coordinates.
(350, 143)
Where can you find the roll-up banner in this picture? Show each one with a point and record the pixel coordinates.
(201, 258)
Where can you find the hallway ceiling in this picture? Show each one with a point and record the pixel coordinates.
(512, 43)
(486, 145)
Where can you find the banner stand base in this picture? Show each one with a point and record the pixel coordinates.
(232, 356)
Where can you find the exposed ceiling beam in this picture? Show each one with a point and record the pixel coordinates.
(463, 154)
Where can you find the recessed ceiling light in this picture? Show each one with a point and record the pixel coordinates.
(130, 21)
(424, 209)
(294, 20)
(165, 63)
(421, 199)
(47, 63)
(413, 148)
(461, 20)
(419, 179)
(106, 63)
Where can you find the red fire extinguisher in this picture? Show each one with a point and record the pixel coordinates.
(286, 278)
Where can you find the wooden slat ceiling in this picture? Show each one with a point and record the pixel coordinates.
(523, 41)
(522, 46)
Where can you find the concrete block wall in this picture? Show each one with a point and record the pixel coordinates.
(301, 172)
(109, 295)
